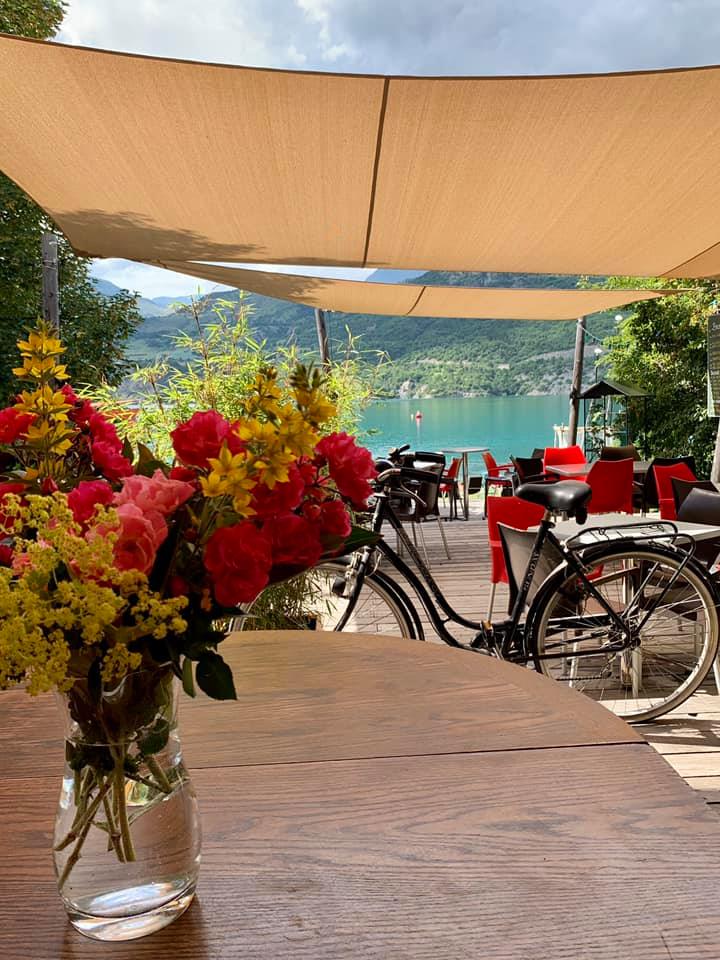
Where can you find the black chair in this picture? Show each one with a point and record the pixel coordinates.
(629, 452)
(648, 493)
(681, 489)
(425, 507)
(537, 454)
(530, 469)
(703, 506)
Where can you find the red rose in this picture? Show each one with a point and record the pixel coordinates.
(183, 473)
(86, 496)
(14, 424)
(295, 541)
(334, 519)
(103, 431)
(283, 497)
(200, 438)
(351, 467)
(6, 555)
(109, 462)
(81, 410)
(238, 559)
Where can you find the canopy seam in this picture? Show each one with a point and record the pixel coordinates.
(417, 301)
(376, 167)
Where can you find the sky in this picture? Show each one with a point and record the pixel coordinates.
(422, 37)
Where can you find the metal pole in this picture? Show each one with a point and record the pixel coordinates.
(576, 381)
(50, 286)
(322, 338)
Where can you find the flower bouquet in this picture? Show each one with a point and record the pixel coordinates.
(116, 572)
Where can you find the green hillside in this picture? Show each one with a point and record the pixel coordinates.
(431, 357)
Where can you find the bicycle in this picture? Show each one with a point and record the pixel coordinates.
(631, 622)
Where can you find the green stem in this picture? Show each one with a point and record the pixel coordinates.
(75, 855)
(157, 771)
(126, 838)
(113, 832)
(83, 820)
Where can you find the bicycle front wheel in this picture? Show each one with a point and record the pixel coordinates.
(329, 602)
(669, 611)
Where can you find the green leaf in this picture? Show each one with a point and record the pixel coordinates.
(155, 739)
(187, 677)
(214, 677)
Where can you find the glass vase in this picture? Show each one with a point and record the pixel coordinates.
(127, 832)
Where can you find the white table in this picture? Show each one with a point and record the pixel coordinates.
(465, 467)
(564, 529)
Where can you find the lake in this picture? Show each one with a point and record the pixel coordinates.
(508, 425)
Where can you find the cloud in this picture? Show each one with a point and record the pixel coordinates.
(156, 282)
(486, 37)
(150, 281)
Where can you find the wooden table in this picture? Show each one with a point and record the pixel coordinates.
(465, 468)
(379, 798)
(640, 468)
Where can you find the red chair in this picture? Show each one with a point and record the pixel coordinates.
(557, 456)
(495, 476)
(612, 486)
(513, 513)
(449, 485)
(663, 482)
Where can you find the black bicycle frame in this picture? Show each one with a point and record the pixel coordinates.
(508, 638)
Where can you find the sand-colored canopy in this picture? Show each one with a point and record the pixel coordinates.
(156, 159)
(417, 300)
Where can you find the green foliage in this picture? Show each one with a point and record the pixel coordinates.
(95, 328)
(32, 18)
(221, 361)
(662, 347)
(440, 357)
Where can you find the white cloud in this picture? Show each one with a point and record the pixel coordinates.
(150, 281)
(157, 282)
(409, 36)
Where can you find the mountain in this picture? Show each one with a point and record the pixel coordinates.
(431, 357)
(170, 301)
(146, 308)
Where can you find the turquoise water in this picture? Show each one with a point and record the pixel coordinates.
(507, 425)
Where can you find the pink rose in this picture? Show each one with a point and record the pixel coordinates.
(139, 537)
(86, 496)
(155, 493)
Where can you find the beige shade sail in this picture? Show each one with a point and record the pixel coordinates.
(156, 159)
(416, 300)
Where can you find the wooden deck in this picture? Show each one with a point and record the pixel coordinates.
(688, 738)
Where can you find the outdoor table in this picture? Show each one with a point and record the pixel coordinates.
(373, 797)
(640, 468)
(564, 529)
(465, 469)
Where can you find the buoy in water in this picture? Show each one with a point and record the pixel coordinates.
(418, 415)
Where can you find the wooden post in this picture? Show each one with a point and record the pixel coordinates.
(576, 381)
(322, 338)
(50, 286)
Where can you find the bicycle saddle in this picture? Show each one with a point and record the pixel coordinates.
(565, 496)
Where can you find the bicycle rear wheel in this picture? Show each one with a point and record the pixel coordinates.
(380, 606)
(670, 611)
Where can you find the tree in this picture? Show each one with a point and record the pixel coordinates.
(662, 347)
(95, 328)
